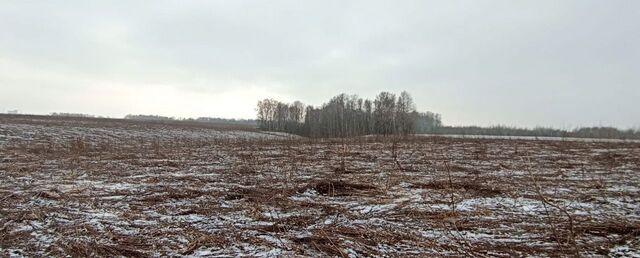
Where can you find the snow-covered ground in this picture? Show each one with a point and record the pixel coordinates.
(100, 188)
(537, 138)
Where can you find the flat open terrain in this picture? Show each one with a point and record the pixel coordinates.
(92, 187)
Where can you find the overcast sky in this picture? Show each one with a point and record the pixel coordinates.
(526, 63)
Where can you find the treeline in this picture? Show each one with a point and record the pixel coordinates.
(605, 132)
(217, 120)
(347, 115)
(583, 132)
(150, 118)
(72, 115)
(213, 120)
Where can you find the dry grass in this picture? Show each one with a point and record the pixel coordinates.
(341, 188)
(102, 188)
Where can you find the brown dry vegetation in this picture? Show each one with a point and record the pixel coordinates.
(84, 188)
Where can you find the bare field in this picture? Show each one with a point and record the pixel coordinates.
(85, 188)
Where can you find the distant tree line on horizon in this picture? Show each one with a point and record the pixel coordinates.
(582, 132)
(63, 114)
(347, 115)
(213, 120)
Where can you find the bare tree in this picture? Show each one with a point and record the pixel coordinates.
(384, 114)
(405, 123)
(345, 116)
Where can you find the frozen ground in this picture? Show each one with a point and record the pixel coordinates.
(87, 188)
(543, 138)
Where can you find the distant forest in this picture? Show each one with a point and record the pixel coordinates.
(213, 120)
(583, 132)
(388, 114)
(349, 115)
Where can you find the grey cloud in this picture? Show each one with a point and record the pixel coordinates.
(524, 63)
